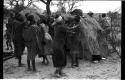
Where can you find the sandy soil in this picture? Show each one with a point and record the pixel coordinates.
(106, 69)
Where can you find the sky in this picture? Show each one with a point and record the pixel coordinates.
(86, 6)
(100, 6)
(94, 6)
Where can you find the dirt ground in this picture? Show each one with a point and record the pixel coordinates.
(106, 69)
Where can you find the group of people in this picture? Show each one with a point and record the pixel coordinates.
(70, 34)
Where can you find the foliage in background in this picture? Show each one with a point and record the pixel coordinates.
(116, 30)
(66, 5)
(6, 12)
(115, 18)
(47, 2)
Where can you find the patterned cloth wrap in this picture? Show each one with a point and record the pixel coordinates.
(33, 36)
(73, 39)
(47, 39)
(9, 26)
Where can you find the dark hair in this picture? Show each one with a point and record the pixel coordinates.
(56, 15)
(77, 12)
(19, 17)
(11, 14)
(43, 19)
(77, 18)
(90, 14)
(103, 15)
(27, 14)
(31, 19)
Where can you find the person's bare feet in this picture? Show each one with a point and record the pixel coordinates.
(34, 70)
(96, 61)
(57, 75)
(62, 74)
(29, 69)
(21, 65)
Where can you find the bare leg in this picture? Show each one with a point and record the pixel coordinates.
(71, 56)
(19, 62)
(56, 73)
(61, 73)
(10, 45)
(73, 60)
(33, 65)
(47, 61)
(28, 64)
(45, 58)
(7, 43)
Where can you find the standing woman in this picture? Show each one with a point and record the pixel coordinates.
(90, 27)
(59, 57)
(47, 41)
(17, 37)
(30, 41)
(8, 39)
(103, 36)
(9, 26)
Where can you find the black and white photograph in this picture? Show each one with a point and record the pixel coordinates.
(62, 39)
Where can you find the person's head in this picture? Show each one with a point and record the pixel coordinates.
(77, 12)
(27, 14)
(42, 24)
(19, 17)
(103, 15)
(77, 19)
(31, 19)
(43, 19)
(90, 14)
(51, 20)
(12, 14)
(57, 15)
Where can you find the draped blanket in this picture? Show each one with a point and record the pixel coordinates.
(66, 34)
(89, 28)
(35, 34)
(42, 38)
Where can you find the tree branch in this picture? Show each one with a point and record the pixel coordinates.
(53, 3)
(23, 2)
(49, 1)
(36, 6)
(43, 1)
(29, 3)
(71, 6)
